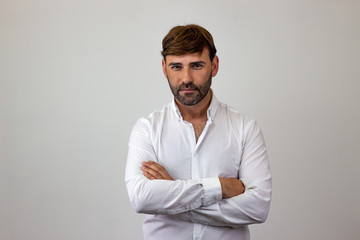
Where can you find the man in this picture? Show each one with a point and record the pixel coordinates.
(197, 168)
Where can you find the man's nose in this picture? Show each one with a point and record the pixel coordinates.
(187, 76)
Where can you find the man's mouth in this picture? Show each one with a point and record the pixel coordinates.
(188, 90)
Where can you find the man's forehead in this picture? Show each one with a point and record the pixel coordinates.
(198, 56)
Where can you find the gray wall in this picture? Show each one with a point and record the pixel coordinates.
(75, 75)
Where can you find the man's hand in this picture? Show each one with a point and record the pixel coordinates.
(153, 170)
(231, 187)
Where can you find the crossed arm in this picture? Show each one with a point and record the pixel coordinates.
(230, 187)
(215, 201)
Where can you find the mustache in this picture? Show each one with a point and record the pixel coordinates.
(188, 86)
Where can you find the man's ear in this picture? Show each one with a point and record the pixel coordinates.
(214, 66)
(163, 63)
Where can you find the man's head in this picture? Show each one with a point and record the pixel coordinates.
(187, 39)
(189, 62)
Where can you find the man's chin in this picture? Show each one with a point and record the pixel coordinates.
(188, 101)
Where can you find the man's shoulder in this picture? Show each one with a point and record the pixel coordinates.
(230, 111)
(234, 115)
(156, 115)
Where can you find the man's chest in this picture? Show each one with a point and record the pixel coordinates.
(198, 128)
(215, 153)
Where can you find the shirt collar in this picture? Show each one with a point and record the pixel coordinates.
(210, 111)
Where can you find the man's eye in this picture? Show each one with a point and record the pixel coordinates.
(174, 67)
(198, 66)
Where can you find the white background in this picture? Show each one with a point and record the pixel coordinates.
(76, 74)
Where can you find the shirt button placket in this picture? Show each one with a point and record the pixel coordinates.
(198, 229)
(192, 141)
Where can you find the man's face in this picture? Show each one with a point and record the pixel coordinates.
(190, 75)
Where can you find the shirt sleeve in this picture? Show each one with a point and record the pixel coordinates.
(253, 205)
(162, 196)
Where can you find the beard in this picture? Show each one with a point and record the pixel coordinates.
(191, 99)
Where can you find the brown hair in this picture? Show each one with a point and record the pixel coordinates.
(187, 39)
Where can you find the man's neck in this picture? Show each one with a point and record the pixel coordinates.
(197, 112)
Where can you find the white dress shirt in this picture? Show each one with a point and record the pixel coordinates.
(191, 207)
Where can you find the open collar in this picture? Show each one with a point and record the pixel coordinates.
(211, 111)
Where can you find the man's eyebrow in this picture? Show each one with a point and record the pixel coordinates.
(191, 63)
(198, 62)
(174, 64)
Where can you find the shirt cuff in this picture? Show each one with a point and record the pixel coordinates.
(212, 190)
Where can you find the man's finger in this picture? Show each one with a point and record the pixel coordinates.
(155, 174)
(148, 176)
(156, 170)
(155, 166)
